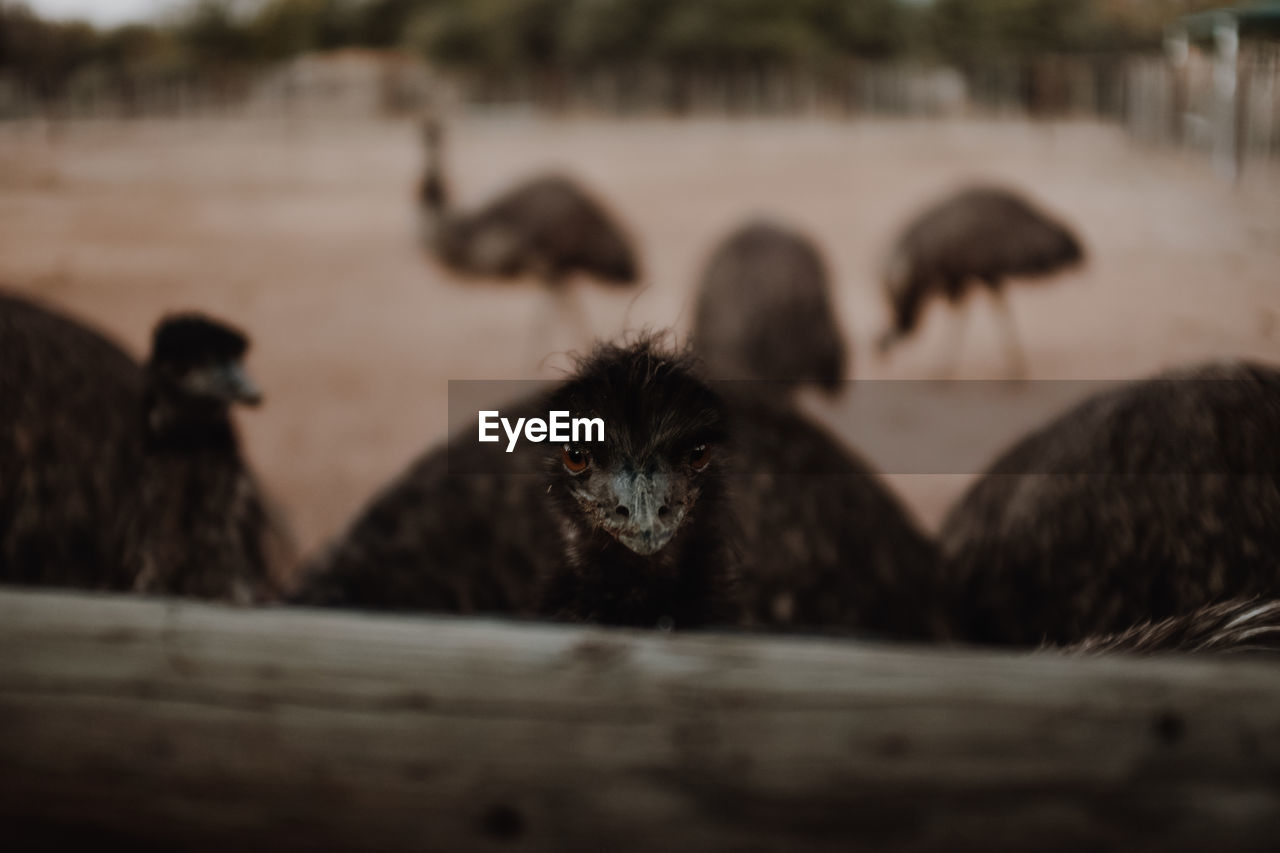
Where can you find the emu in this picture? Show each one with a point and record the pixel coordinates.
(980, 236)
(547, 227)
(208, 531)
(764, 311)
(697, 509)
(118, 476)
(1144, 502)
(629, 531)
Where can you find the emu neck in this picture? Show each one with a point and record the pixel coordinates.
(174, 421)
(199, 511)
(434, 228)
(435, 188)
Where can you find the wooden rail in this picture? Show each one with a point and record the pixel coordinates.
(185, 726)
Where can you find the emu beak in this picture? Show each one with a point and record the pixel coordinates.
(224, 381)
(237, 386)
(642, 520)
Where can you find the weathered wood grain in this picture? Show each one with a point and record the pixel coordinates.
(189, 726)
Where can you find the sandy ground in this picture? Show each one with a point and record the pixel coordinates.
(304, 235)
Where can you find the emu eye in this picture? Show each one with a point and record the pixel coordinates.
(575, 460)
(700, 457)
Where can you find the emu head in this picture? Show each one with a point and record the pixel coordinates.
(1073, 253)
(656, 469)
(904, 295)
(200, 361)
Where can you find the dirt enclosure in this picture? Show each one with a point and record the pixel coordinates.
(303, 233)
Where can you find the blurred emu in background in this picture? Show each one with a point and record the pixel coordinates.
(981, 236)
(764, 311)
(546, 227)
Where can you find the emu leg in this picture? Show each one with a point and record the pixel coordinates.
(956, 324)
(1013, 348)
(572, 310)
(561, 309)
(541, 332)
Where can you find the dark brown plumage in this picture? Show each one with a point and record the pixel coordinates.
(633, 537)
(1232, 627)
(70, 419)
(764, 311)
(114, 476)
(819, 544)
(206, 530)
(547, 227)
(823, 544)
(980, 236)
(1145, 502)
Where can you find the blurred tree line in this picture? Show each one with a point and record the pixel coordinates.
(212, 37)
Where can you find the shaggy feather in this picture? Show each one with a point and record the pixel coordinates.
(1235, 627)
(824, 545)
(1142, 503)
